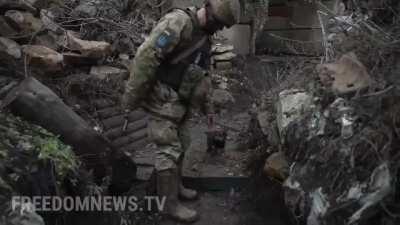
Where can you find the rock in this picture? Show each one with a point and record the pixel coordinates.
(224, 56)
(291, 106)
(5, 29)
(93, 49)
(276, 166)
(24, 22)
(111, 9)
(87, 8)
(346, 75)
(223, 65)
(222, 98)
(43, 57)
(9, 48)
(47, 19)
(102, 72)
(18, 4)
(49, 40)
(223, 85)
(124, 60)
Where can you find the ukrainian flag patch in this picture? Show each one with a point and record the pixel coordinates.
(164, 40)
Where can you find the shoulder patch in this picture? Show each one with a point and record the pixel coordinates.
(164, 40)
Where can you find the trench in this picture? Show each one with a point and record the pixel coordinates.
(233, 190)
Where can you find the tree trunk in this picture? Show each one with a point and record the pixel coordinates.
(35, 102)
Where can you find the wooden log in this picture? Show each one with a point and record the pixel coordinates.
(35, 102)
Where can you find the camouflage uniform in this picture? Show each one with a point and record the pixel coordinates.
(166, 88)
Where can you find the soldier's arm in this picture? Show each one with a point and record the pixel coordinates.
(162, 41)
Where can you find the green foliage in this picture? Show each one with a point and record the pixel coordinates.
(51, 148)
(24, 146)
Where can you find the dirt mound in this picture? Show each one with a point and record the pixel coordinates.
(336, 122)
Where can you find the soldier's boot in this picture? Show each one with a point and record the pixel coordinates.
(167, 185)
(186, 193)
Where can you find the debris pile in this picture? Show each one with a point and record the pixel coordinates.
(62, 62)
(337, 152)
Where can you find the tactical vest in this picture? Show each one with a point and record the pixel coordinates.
(172, 70)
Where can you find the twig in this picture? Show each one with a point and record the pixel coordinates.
(375, 93)
(324, 36)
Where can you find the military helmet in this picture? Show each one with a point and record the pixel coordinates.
(227, 12)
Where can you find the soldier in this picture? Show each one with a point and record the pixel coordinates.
(168, 77)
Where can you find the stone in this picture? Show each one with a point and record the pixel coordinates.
(276, 166)
(93, 49)
(49, 40)
(27, 5)
(10, 48)
(223, 85)
(47, 19)
(224, 56)
(291, 106)
(25, 22)
(110, 9)
(5, 29)
(43, 57)
(222, 98)
(124, 60)
(103, 72)
(87, 8)
(346, 75)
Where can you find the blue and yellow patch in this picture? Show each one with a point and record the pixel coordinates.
(164, 40)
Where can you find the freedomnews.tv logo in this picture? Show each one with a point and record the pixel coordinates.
(89, 203)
